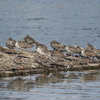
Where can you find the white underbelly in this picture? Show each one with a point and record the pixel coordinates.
(83, 53)
(17, 45)
(39, 50)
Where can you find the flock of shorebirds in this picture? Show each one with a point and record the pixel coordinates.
(55, 55)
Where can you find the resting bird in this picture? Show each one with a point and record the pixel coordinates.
(10, 43)
(94, 49)
(57, 46)
(97, 51)
(72, 50)
(19, 61)
(88, 54)
(42, 49)
(57, 56)
(90, 47)
(79, 49)
(29, 40)
(42, 60)
(23, 45)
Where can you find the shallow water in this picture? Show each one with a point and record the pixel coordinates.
(52, 86)
(74, 22)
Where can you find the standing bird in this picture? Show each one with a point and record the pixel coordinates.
(57, 46)
(10, 43)
(29, 40)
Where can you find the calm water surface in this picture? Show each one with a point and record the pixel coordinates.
(67, 21)
(53, 86)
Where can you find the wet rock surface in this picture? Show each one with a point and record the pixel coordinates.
(16, 62)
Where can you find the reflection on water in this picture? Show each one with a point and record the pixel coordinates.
(57, 85)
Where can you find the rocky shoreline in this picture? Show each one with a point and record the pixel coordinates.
(30, 65)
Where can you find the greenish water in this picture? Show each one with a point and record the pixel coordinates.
(67, 21)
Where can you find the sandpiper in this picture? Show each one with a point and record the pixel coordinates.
(23, 45)
(79, 49)
(97, 51)
(90, 47)
(57, 53)
(42, 60)
(93, 48)
(72, 50)
(57, 46)
(42, 49)
(29, 40)
(19, 61)
(57, 57)
(88, 53)
(60, 59)
(10, 43)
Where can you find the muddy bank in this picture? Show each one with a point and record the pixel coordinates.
(16, 62)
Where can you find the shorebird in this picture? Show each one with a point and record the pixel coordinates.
(57, 56)
(94, 49)
(57, 46)
(19, 61)
(23, 45)
(10, 43)
(29, 40)
(79, 49)
(42, 49)
(42, 60)
(72, 50)
(97, 51)
(88, 53)
(90, 47)
(57, 53)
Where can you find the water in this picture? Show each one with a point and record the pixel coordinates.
(53, 86)
(67, 21)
